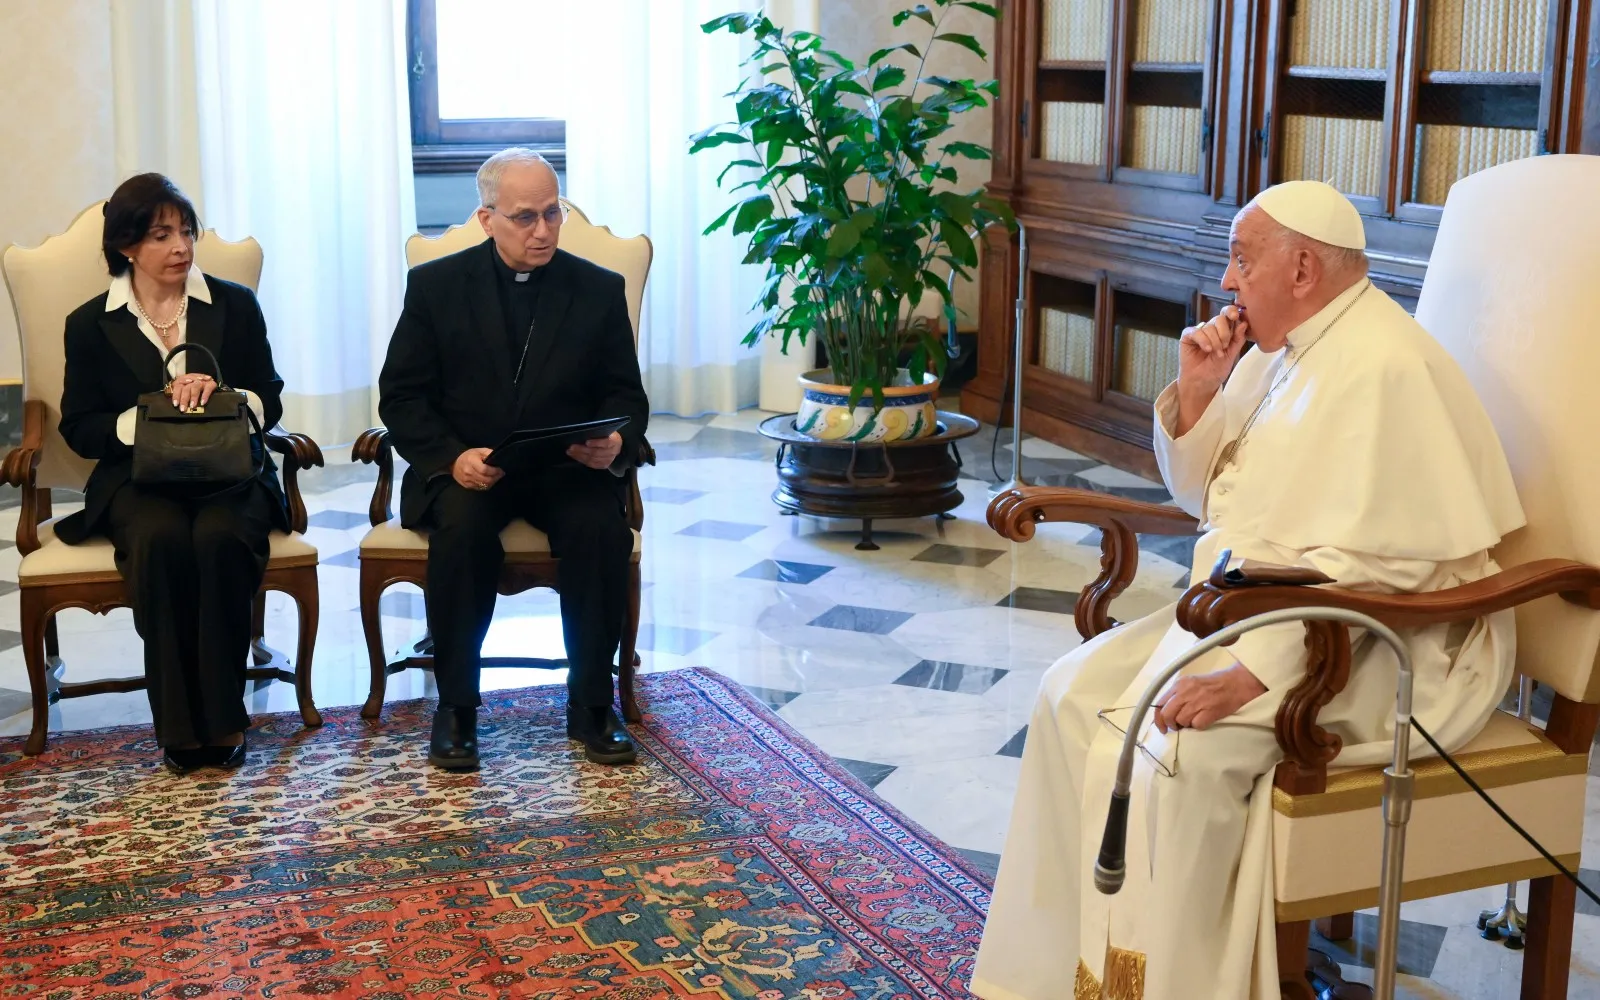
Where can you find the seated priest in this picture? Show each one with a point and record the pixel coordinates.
(1347, 441)
(516, 334)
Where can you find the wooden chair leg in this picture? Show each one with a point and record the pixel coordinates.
(1294, 943)
(1340, 927)
(259, 651)
(1547, 957)
(306, 598)
(36, 625)
(372, 585)
(627, 656)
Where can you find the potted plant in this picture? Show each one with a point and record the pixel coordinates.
(852, 210)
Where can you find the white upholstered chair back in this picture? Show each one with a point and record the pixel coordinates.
(628, 257)
(49, 281)
(1513, 292)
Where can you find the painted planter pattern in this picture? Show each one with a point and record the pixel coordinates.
(825, 414)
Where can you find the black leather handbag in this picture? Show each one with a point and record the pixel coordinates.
(220, 445)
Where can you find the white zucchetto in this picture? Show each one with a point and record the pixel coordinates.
(1317, 210)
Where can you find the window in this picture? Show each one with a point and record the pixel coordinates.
(484, 74)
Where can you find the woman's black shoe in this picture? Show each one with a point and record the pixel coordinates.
(454, 745)
(605, 740)
(228, 758)
(181, 762)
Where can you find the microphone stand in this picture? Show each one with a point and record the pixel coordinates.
(1110, 868)
(1016, 479)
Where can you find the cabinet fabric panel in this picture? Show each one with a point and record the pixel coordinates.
(1075, 30)
(1073, 133)
(1066, 343)
(1350, 34)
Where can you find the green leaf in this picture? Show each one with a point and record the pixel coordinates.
(915, 52)
(843, 239)
(718, 223)
(736, 163)
(983, 8)
(970, 150)
(738, 23)
(956, 206)
(752, 211)
(965, 41)
(888, 76)
(716, 139)
(851, 87)
(920, 11)
(876, 270)
(956, 239)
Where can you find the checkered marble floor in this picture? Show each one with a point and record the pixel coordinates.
(916, 666)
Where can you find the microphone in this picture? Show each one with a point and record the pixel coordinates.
(1111, 868)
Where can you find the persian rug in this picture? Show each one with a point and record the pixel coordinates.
(734, 860)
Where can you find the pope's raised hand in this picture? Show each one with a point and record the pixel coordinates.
(1206, 353)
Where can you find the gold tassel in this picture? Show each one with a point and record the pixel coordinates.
(1124, 974)
(1084, 985)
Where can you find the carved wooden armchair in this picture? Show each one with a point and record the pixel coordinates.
(391, 554)
(46, 283)
(1523, 334)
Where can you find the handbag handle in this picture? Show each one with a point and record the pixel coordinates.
(216, 365)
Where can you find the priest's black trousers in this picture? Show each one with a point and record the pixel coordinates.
(581, 512)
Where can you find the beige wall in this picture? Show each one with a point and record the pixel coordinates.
(56, 126)
(857, 28)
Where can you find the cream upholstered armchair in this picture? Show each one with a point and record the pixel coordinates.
(46, 283)
(391, 554)
(1510, 292)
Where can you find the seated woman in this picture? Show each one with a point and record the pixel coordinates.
(192, 557)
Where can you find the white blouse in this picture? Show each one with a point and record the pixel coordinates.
(121, 294)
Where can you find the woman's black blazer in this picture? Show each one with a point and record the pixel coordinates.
(109, 363)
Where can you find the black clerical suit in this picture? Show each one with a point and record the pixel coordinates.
(451, 383)
(192, 563)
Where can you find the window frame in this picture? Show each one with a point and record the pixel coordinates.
(461, 145)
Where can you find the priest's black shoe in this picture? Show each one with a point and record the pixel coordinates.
(454, 746)
(604, 739)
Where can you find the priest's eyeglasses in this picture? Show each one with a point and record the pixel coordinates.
(553, 216)
(1163, 768)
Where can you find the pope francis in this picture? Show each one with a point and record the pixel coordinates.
(1346, 441)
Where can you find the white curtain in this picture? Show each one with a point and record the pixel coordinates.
(644, 77)
(305, 144)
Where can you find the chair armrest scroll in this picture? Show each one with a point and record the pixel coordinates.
(20, 469)
(373, 448)
(299, 452)
(1015, 513)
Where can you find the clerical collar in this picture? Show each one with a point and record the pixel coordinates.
(1303, 336)
(510, 275)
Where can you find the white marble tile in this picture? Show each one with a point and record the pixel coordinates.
(917, 739)
(991, 637)
(670, 430)
(1033, 447)
(1105, 475)
(744, 420)
(870, 704)
(965, 803)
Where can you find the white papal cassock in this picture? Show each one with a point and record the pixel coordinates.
(1372, 461)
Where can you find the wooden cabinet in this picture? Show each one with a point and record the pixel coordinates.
(1129, 132)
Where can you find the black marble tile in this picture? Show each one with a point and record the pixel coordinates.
(773, 698)
(958, 555)
(1590, 878)
(349, 559)
(671, 639)
(1040, 599)
(12, 702)
(666, 494)
(338, 520)
(985, 862)
(9, 639)
(732, 531)
(1014, 745)
(958, 677)
(1177, 548)
(1419, 946)
(7, 586)
(873, 621)
(783, 571)
(404, 604)
(866, 772)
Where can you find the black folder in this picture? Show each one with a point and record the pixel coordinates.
(528, 450)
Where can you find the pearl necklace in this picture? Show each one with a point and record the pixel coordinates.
(160, 328)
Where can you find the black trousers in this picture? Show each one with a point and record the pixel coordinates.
(581, 512)
(192, 569)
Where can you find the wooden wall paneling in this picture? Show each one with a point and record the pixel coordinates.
(1119, 57)
(1553, 92)
(1407, 81)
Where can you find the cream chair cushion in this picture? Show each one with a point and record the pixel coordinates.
(1327, 848)
(49, 281)
(56, 563)
(521, 541)
(597, 244)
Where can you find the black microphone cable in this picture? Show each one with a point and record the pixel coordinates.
(1502, 813)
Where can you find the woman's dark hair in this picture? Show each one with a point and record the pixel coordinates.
(134, 205)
